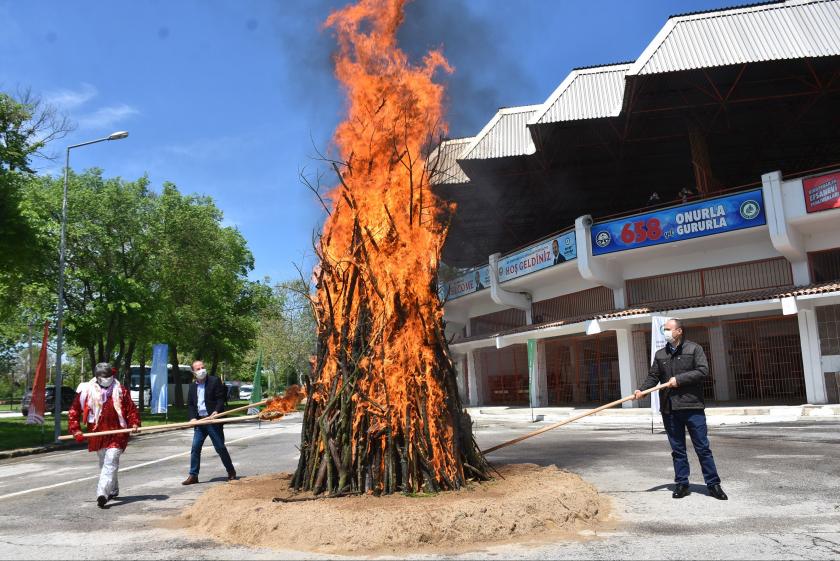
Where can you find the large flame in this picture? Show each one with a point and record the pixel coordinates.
(383, 239)
(278, 406)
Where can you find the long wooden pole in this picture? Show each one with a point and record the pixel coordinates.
(243, 408)
(161, 428)
(570, 420)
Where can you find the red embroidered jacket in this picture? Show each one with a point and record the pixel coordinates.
(108, 420)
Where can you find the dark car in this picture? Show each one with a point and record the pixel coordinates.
(232, 391)
(67, 395)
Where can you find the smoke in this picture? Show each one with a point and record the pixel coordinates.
(486, 75)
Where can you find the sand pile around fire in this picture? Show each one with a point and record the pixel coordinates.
(530, 503)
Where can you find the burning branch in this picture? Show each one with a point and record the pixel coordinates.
(383, 413)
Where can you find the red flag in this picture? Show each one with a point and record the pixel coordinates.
(39, 385)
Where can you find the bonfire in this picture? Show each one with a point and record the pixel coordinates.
(383, 413)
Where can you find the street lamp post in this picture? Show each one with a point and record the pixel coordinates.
(61, 254)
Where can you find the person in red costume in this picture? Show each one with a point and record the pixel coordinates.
(104, 404)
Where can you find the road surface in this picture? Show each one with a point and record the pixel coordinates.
(783, 481)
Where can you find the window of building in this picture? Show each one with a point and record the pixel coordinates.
(825, 265)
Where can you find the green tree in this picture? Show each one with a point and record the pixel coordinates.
(26, 127)
(287, 333)
(109, 284)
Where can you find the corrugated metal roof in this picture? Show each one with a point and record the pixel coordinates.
(586, 93)
(446, 171)
(789, 30)
(505, 135)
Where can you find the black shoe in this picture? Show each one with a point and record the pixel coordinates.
(680, 491)
(231, 475)
(101, 500)
(716, 492)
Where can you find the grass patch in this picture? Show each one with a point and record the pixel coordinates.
(15, 433)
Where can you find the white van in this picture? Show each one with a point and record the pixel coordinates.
(186, 377)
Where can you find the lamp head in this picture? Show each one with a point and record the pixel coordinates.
(118, 135)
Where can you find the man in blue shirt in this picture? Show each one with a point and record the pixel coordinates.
(205, 400)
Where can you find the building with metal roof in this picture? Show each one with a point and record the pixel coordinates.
(698, 181)
(688, 114)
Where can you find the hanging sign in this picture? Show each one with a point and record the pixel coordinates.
(537, 257)
(684, 222)
(822, 192)
(473, 281)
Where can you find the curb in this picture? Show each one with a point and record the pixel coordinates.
(17, 453)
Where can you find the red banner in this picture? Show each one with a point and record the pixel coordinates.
(822, 192)
(39, 385)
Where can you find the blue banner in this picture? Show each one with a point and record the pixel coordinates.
(537, 257)
(473, 281)
(159, 399)
(684, 222)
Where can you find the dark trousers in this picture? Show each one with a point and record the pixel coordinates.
(217, 437)
(695, 421)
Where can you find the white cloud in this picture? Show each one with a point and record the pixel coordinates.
(106, 117)
(207, 148)
(67, 100)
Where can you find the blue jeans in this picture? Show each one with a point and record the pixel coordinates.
(695, 421)
(217, 437)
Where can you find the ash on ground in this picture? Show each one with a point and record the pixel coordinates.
(528, 503)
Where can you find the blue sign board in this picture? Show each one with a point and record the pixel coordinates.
(684, 222)
(473, 281)
(537, 257)
(544, 254)
(160, 386)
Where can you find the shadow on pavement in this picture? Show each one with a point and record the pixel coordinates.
(214, 480)
(693, 487)
(120, 501)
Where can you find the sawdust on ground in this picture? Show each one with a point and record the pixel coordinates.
(531, 504)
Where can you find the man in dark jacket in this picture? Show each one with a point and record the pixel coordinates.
(205, 400)
(682, 365)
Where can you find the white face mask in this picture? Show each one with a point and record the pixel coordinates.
(200, 374)
(669, 335)
(105, 382)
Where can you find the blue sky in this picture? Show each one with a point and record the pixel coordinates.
(226, 98)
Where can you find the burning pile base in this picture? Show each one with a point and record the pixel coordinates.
(530, 504)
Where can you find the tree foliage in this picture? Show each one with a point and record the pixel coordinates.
(144, 267)
(286, 332)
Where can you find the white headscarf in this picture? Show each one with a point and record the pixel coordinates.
(93, 396)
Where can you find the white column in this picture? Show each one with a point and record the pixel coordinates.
(476, 380)
(461, 377)
(626, 364)
(809, 339)
(597, 270)
(720, 363)
(786, 239)
(542, 376)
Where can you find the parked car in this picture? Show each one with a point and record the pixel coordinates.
(232, 391)
(245, 391)
(67, 395)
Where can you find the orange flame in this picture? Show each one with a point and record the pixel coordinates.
(278, 406)
(384, 202)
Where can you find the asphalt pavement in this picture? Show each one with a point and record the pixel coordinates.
(783, 481)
